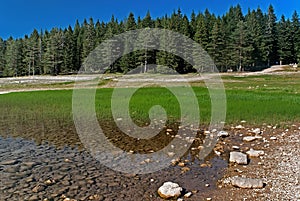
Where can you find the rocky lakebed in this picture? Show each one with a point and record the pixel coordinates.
(247, 163)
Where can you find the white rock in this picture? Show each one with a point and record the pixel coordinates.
(189, 139)
(239, 127)
(247, 182)
(223, 134)
(249, 138)
(179, 199)
(273, 138)
(169, 190)
(255, 153)
(256, 131)
(187, 195)
(238, 157)
(235, 147)
(171, 154)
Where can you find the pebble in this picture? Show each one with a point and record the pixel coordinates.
(171, 154)
(255, 153)
(49, 182)
(239, 127)
(9, 162)
(185, 169)
(258, 137)
(249, 138)
(38, 188)
(187, 195)
(256, 131)
(273, 138)
(12, 169)
(238, 157)
(169, 190)
(223, 134)
(69, 199)
(33, 198)
(235, 147)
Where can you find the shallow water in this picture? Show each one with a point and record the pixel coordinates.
(54, 170)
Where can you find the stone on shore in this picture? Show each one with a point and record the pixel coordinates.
(169, 190)
(242, 182)
(249, 138)
(238, 157)
(256, 131)
(255, 153)
(223, 134)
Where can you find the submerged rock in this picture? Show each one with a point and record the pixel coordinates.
(169, 190)
(9, 162)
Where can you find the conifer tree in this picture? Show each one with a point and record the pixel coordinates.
(296, 37)
(270, 40)
(2, 56)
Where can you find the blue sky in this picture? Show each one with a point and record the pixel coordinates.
(20, 17)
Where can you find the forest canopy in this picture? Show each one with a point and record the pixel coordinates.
(237, 41)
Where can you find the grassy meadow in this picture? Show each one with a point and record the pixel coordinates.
(264, 99)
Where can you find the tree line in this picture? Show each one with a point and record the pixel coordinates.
(235, 41)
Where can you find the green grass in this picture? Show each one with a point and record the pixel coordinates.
(256, 106)
(259, 100)
(289, 83)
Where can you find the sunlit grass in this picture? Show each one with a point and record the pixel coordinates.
(254, 106)
(259, 99)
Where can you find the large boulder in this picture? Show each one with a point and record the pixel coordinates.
(169, 190)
